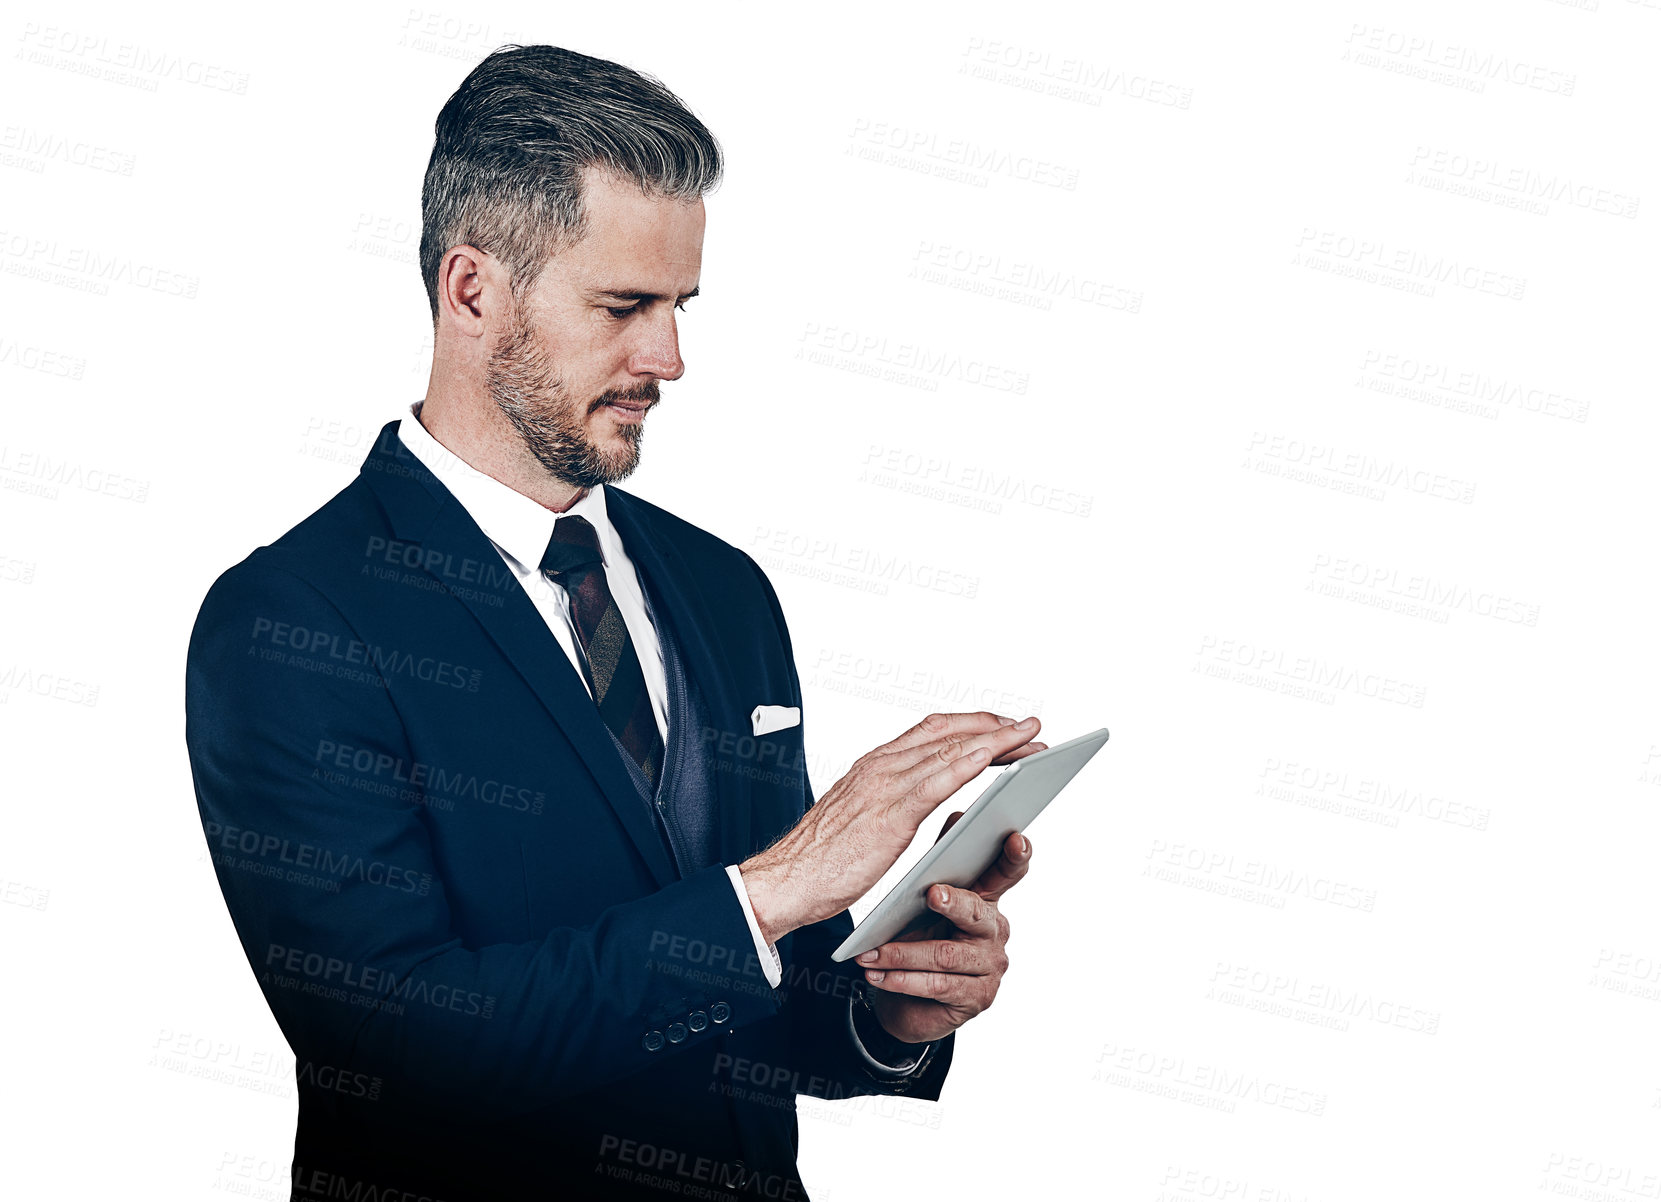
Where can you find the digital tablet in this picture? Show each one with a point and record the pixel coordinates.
(1008, 804)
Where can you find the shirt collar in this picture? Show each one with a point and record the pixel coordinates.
(518, 526)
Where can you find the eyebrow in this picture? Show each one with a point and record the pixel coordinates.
(637, 295)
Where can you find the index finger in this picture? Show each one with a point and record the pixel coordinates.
(953, 741)
(938, 726)
(1020, 753)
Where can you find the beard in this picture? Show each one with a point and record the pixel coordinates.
(522, 380)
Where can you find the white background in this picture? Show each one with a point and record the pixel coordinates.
(1272, 385)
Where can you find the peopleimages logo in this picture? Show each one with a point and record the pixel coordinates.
(415, 780)
(95, 55)
(350, 652)
(37, 257)
(366, 985)
(442, 564)
(820, 343)
(274, 852)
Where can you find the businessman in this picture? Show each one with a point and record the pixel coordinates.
(501, 766)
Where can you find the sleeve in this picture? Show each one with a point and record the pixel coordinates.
(882, 1053)
(371, 977)
(819, 994)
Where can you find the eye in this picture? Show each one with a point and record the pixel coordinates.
(619, 314)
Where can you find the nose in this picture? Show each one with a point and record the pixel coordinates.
(658, 351)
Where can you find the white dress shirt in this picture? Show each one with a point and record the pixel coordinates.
(521, 529)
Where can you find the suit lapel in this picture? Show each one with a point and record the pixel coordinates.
(677, 600)
(423, 512)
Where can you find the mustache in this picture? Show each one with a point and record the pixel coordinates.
(646, 392)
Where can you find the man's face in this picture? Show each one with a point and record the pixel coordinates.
(579, 365)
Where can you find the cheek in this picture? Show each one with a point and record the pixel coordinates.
(590, 371)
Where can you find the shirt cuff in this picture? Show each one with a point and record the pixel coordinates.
(909, 1055)
(765, 952)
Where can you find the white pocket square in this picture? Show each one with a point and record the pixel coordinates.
(765, 719)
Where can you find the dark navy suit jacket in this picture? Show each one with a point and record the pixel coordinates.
(453, 896)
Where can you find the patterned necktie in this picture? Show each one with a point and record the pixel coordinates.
(573, 561)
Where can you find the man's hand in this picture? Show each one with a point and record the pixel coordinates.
(933, 980)
(864, 822)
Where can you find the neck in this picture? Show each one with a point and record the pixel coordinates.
(472, 429)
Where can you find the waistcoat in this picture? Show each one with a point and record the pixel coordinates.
(683, 803)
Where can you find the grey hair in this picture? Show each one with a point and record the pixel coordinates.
(511, 144)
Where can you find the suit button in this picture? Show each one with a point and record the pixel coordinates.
(677, 1032)
(720, 1012)
(653, 1041)
(697, 1020)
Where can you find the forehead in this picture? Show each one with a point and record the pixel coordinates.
(636, 240)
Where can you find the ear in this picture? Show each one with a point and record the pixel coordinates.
(470, 284)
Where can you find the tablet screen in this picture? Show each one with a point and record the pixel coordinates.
(959, 857)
